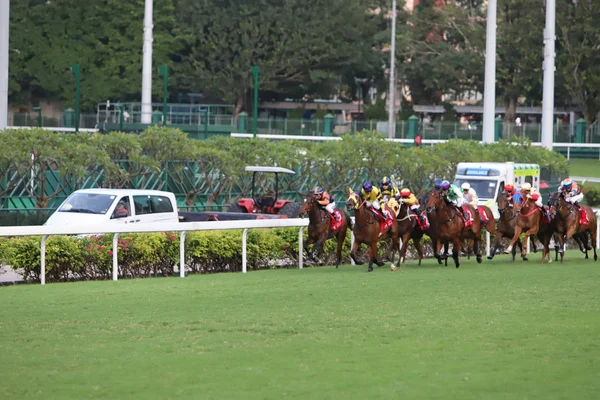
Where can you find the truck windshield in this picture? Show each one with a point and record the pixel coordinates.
(485, 189)
(90, 203)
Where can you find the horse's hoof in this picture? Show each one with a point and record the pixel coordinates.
(525, 259)
(457, 265)
(595, 258)
(370, 269)
(490, 257)
(380, 264)
(534, 250)
(479, 260)
(393, 268)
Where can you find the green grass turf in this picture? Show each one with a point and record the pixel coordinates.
(489, 331)
(584, 167)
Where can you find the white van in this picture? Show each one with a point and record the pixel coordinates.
(488, 179)
(115, 206)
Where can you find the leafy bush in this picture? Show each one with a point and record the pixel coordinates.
(591, 196)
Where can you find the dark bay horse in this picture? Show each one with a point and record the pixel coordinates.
(568, 225)
(450, 226)
(367, 230)
(408, 228)
(506, 227)
(529, 221)
(319, 227)
(489, 224)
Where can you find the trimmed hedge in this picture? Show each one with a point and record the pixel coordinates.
(71, 258)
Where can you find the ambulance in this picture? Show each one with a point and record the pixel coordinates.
(489, 178)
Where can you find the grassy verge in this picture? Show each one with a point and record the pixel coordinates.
(583, 167)
(492, 331)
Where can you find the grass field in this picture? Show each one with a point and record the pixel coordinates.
(489, 331)
(581, 167)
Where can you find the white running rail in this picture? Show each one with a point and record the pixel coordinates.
(183, 227)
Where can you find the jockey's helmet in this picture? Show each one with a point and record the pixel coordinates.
(386, 181)
(567, 183)
(526, 187)
(437, 183)
(318, 190)
(445, 185)
(405, 192)
(465, 186)
(368, 187)
(509, 188)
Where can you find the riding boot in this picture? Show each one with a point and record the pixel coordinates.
(384, 215)
(464, 214)
(334, 217)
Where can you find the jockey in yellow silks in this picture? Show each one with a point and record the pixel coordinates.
(371, 196)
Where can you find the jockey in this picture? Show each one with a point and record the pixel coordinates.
(371, 196)
(572, 191)
(410, 200)
(512, 196)
(387, 189)
(437, 184)
(325, 200)
(529, 192)
(469, 194)
(453, 195)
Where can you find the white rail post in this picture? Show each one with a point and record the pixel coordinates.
(301, 248)
(115, 271)
(182, 254)
(528, 239)
(487, 243)
(244, 240)
(43, 260)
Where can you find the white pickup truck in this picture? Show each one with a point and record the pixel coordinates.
(120, 206)
(133, 206)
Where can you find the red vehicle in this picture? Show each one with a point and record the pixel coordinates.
(266, 203)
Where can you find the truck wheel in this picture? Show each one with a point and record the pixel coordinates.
(292, 210)
(235, 208)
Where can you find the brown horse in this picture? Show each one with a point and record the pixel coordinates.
(489, 224)
(408, 228)
(568, 226)
(366, 230)
(506, 227)
(529, 221)
(450, 226)
(319, 227)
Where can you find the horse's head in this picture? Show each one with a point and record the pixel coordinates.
(554, 200)
(353, 201)
(308, 204)
(502, 203)
(434, 200)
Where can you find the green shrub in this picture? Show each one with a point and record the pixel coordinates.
(591, 197)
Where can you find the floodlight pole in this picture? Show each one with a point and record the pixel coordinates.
(4, 25)
(489, 92)
(392, 99)
(548, 94)
(147, 64)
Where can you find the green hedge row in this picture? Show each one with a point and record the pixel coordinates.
(143, 255)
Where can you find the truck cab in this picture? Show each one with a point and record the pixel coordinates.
(489, 178)
(115, 206)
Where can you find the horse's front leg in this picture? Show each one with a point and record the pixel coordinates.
(355, 247)
(456, 252)
(405, 239)
(373, 256)
(417, 243)
(497, 245)
(518, 231)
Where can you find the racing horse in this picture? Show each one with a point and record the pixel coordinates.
(320, 227)
(450, 226)
(529, 220)
(488, 223)
(506, 227)
(367, 229)
(408, 228)
(568, 225)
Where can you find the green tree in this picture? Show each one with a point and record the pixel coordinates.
(103, 36)
(296, 44)
(442, 51)
(578, 58)
(520, 56)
